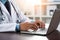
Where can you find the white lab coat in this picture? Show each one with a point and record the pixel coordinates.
(9, 23)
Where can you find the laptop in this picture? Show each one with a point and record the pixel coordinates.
(49, 28)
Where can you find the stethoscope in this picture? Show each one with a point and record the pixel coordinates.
(2, 18)
(18, 20)
(1, 15)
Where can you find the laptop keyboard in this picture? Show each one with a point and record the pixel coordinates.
(40, 30)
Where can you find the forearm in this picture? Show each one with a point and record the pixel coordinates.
(7, 27)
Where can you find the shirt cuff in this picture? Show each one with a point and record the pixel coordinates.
(17, 27)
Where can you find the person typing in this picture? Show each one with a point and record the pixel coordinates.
(11, 14)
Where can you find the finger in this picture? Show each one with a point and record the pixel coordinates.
(33, 27)
(42, 25)
(37, 24)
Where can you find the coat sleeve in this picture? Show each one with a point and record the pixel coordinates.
(7, 27)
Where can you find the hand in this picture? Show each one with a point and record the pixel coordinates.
(25, 26)
(39, 24)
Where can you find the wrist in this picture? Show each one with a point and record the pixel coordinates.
(17, 28)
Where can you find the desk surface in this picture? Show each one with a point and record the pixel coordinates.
(14, 36)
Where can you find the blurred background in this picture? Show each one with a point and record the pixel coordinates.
(38, 9)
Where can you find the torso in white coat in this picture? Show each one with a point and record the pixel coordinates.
(9, 21)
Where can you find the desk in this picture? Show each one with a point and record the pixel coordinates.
(15, 36)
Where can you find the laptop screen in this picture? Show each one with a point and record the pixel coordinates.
(54, 21)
